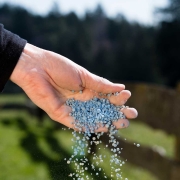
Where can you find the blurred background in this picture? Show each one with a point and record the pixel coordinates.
(133, 42)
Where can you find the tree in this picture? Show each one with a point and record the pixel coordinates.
(110, 47)
(172, 12)
(168, 43)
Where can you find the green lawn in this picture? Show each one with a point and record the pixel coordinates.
(30, 150)
(19, 98)
(142, 134)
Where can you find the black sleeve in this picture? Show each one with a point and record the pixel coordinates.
(11, 47)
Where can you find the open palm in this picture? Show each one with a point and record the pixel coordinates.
(49, 79)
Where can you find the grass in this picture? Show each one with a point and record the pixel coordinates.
(31, 150)
(140, 133)
(15, 163)
(19, 98)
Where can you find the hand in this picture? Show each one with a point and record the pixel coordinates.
(49, 78)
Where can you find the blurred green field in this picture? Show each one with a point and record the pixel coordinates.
(34, 150)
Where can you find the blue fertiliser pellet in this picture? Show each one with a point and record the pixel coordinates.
(88, 117)
(89, 114)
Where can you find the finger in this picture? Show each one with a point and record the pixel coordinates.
(130, 113)
(100, 84)
(121, 98)
(120, 124)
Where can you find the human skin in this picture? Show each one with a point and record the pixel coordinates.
(49, 78)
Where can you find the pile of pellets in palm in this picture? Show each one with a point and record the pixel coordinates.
(88, 117)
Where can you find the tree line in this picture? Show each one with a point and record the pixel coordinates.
(113, 48)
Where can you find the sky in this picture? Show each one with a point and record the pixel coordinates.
(134, 10)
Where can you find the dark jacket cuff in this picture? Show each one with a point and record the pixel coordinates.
(11, 47)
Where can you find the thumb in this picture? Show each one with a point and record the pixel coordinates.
(100, 84)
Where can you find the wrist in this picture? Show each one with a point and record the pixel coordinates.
(27, 62)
